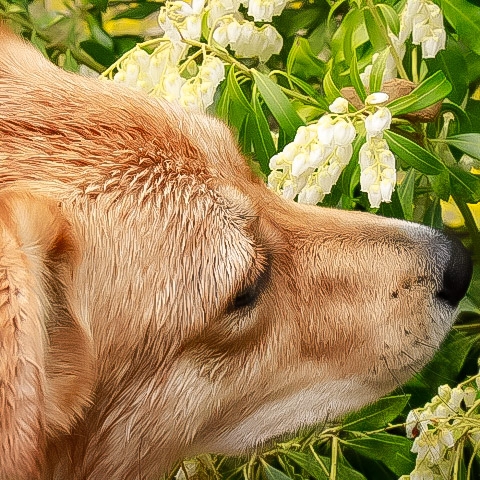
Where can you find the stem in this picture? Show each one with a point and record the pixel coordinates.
(317, 458)
(334, 458)
(393, 52)
(415, 65)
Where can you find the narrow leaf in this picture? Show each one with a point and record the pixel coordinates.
(272, 473)
(430, 91)
(413, 154)
(405, 194)
(263, 145)
(468, 143)
(378, 70)
(278, 103)
(355, 78)
(331, 90)
(465, 19)
(376, 415)
(465, 186)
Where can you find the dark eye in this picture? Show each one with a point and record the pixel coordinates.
(246, 297)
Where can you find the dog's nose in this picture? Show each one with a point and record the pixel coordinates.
(457, 271)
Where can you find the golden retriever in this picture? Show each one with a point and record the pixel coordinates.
(158, 301)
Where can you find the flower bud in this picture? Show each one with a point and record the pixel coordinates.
(376, 123)
(343, 132)
(376, 98)
(311, 195)
(470, 394)
(339, 105)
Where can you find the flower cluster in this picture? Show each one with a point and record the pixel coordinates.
(424, 20)
(169, 73)
(377, 163)
(312, 163)
(436, 428)
(247, 40)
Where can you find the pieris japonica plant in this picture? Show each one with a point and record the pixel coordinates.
(354, 104)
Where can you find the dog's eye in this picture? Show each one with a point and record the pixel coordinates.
(246, 297)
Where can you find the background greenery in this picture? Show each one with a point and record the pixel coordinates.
(322, 40)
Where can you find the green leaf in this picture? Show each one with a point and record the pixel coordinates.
(378, 69)
(263, 145)
(433, 215)
(465, 185)
(355, 78)
(98, 52)
(441, 184)
(70, 64)
(98, 34)
(413, 154)
(389, 16)
(141, 11)
(468, 143)
(278, 103)
(302, 62)
(374, 32)
(405, 194)
(430, 91)
(272, 473)
(351, 174)
(376, 415)
(236, 92)
(392, 450)
(350, 35)
(331, 90)
(392, 209)
(443, 368)
(465, 19)
(101, 4)
(308, 462)
(453, 64)
(39, 43)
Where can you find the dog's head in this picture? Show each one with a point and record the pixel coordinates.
(220, 315)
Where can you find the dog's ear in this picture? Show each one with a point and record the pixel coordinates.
(46, 370)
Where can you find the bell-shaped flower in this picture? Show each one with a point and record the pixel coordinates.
(376, 98)
(300, 164)
(339, 105)
(469, 396)
(343, 132)
(311, 195)
(325, 130)
(376, 123)
(324, 181)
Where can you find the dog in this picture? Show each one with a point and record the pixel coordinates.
(158, 301)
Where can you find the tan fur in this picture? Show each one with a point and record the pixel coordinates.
(127, 228)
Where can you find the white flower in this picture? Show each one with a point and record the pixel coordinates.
(377, 171)
(311, 195)
(247, 40)
(343, 132)
(377, 122)
(264, 10)
(219, 8)
(424, 20)
(376, 98)
(339, 105)
(469, 396)
(325, 129)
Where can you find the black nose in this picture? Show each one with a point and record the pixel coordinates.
(457, 273)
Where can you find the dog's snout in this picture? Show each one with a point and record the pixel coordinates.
(457, 271)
